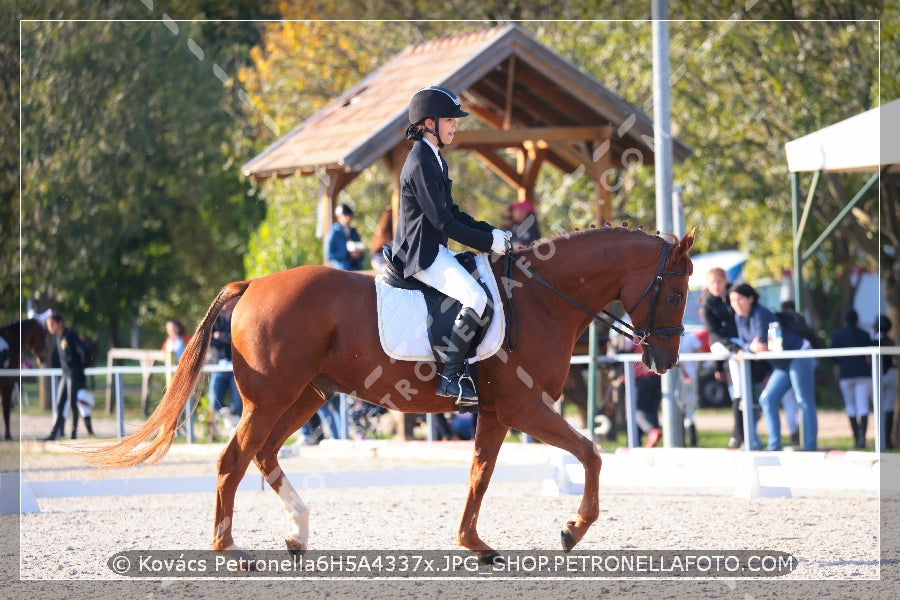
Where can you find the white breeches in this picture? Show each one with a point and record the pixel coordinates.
(857, 391)
(449, 277)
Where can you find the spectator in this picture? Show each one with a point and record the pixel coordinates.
(789, 400)
(889, 381)
(344, 247)
(176, 339)
(464, 425)
(85, 402)
(383, 236)
(523, 225)
(718, 317)
(361, 415)
(648, 398)
(222, 382)
(854, 375)
(752, 320)
(686, 392)
(73, 380)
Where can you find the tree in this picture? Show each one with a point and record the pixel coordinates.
(130, 211)
(740, 90)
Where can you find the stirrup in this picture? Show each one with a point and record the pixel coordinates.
(445, 388)
(460, 401)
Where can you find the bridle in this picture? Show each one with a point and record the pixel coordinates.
(606, 317)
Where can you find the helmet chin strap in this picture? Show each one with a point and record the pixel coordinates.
(436, 133)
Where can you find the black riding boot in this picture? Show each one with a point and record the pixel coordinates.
(455, 381)
(74, 422)
(57, 430)
(88, 426)
(888, 428)
(855, 427)
(863, 425)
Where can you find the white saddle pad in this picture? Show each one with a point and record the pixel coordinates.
(402, 318)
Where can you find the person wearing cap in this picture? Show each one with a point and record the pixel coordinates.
(73, 379)
(428, 219)
(344, 247)
(523, 224)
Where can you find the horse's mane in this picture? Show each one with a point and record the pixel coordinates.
(607, 229)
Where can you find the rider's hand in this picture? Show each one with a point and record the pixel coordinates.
(499, 244)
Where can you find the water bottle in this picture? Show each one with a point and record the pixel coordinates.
(775, 337)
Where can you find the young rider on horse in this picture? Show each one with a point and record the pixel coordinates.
(428, 217)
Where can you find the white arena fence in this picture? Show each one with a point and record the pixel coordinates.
(115, 375)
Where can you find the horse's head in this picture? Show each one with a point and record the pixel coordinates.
(33, 337)
(657, 296)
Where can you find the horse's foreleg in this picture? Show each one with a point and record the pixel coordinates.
(542, 422)
(267, 462)
(489, 437)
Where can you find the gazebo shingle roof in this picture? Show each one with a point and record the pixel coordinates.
(368, 121)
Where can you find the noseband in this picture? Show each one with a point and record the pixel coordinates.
(611, 320)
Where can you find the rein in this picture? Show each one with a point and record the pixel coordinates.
(512, 319)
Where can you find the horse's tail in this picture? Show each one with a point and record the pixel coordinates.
(160, 428)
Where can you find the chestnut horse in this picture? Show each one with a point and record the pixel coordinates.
(28, 334)
(301, 335)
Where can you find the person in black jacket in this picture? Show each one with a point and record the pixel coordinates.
(854, 375)
(222, 382)
(718, 316)
(73, 379)
(428, 218)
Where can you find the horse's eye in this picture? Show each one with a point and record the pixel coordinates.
(675, 299)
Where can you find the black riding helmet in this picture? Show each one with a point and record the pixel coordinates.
(435, 103)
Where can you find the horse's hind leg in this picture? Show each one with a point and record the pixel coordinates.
(248, 438)
(266, 460)
(539, 420)
(489, 436)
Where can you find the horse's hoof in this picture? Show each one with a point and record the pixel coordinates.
(294, 547)
(490, 558)
(568, 540)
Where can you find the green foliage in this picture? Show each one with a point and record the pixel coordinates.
(133, 210)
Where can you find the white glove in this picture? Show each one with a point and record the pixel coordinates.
(500, 239)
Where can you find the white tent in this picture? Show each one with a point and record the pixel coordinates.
(854, 144)
(732, 261)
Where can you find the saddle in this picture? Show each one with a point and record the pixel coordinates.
(440, 309)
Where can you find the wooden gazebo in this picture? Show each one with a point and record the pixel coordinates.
(530, 99)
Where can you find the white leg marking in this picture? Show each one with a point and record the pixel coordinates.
(293, 505)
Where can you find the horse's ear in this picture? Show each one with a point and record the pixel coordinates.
(686, 243)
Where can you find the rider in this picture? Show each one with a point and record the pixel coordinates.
(428, 217)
